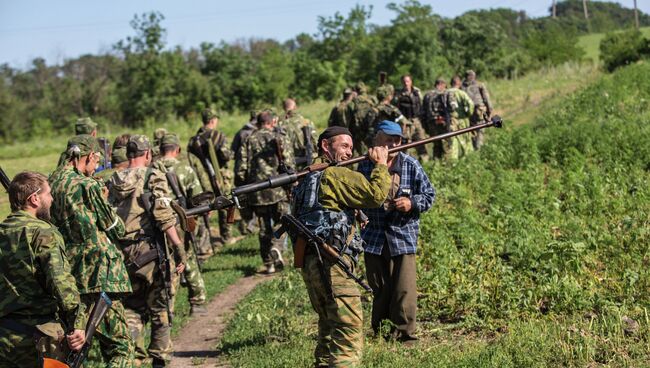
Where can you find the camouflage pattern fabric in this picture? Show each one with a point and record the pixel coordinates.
(37, 282)
(189, 184)
(269, 221)
(260, 160)
(148, 300)
(223, 154)
(340, 315)
(112, 337)
(482, 106)
(148, 303)
(460, 107)
(293, 124)
(359, 121)
(338, 115)
(240, 137)
(90, 228)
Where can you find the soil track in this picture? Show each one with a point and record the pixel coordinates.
(195, 345)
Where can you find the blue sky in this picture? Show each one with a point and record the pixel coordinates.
(56, 30)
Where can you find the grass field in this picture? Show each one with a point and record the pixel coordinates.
(535, 253)
(591, 44)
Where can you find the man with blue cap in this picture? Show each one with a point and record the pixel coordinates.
(391, 235)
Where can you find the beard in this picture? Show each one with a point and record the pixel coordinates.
(43, 214)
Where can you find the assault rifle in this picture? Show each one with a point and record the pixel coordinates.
(164, 265)
(189, 227)
(306, 237)
(76, 359)
(222, 202)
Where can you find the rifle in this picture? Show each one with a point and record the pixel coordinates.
(4, 179)
(172, 179)
(306, 237)
(105, 147)
(75, 360)
(164, 266)
(275, 181)
(309, 151)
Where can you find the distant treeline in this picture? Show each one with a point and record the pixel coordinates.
(142, 78)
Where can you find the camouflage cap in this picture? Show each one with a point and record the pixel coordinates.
(82, 145)
(348, 91)
(158, 134)
(84, 126)
(360, 87)
(441, 80)
(170, 139)
(385, 91)
(119, 155)
(137, 143)
(209, 114)
(470, 72)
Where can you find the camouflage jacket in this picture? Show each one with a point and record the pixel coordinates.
(223, 155)
(459, 105)
(358, 109)
(478, 93)
(338, 115)
(90, 228)
(127, 187)
(389, 112)
(260, 160)
(188, 181)
(293, 125)
(409, 103)
(36, 279)
(237, 142)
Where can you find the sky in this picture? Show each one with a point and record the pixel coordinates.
(57, 30)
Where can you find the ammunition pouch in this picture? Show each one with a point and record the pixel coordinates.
(140, 258)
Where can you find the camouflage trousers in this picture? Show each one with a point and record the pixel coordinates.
(148, 303)
(340, 316)
(415, 132)
(195, 285)
(451, 148)
(27, 349)
(112, 338)
(204, 246)
(247, 222)
(269, 221)
(224, 226)
(477, 118)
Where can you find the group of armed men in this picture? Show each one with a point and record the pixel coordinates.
(441, 110)
(104, 221)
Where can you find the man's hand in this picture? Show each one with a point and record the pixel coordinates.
(378, 155)
(76, 340)
(403, 204)
(180, 268)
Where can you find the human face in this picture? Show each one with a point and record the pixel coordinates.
(390, 141)
(43, 201)
(338, 148)
(408, 83)
(92, 163)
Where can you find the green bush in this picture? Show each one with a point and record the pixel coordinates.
(622, 48)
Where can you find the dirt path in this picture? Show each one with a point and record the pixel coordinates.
(195, 344)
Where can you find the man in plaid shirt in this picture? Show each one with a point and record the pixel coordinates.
(391, 237)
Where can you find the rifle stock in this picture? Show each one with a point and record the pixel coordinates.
(75, 360)
(4, 179)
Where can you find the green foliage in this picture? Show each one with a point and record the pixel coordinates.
(534, 253)
(552, 44)
(622, 48)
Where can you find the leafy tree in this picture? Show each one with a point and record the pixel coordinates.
(622, 48)
(552, 44)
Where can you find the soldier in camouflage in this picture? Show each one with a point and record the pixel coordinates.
(300, 132)
(90, 229)
(81, 126)
(338, 115)
(408, 100)
(189, 185)
(360, 116)
(247, 223)
(118, 159)
(215, 148)
(459, 109)
(158, 134)
(325, 202)
(482, 106)
(436, 119)
(261, 158)
(142, 199)
(38, 289)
